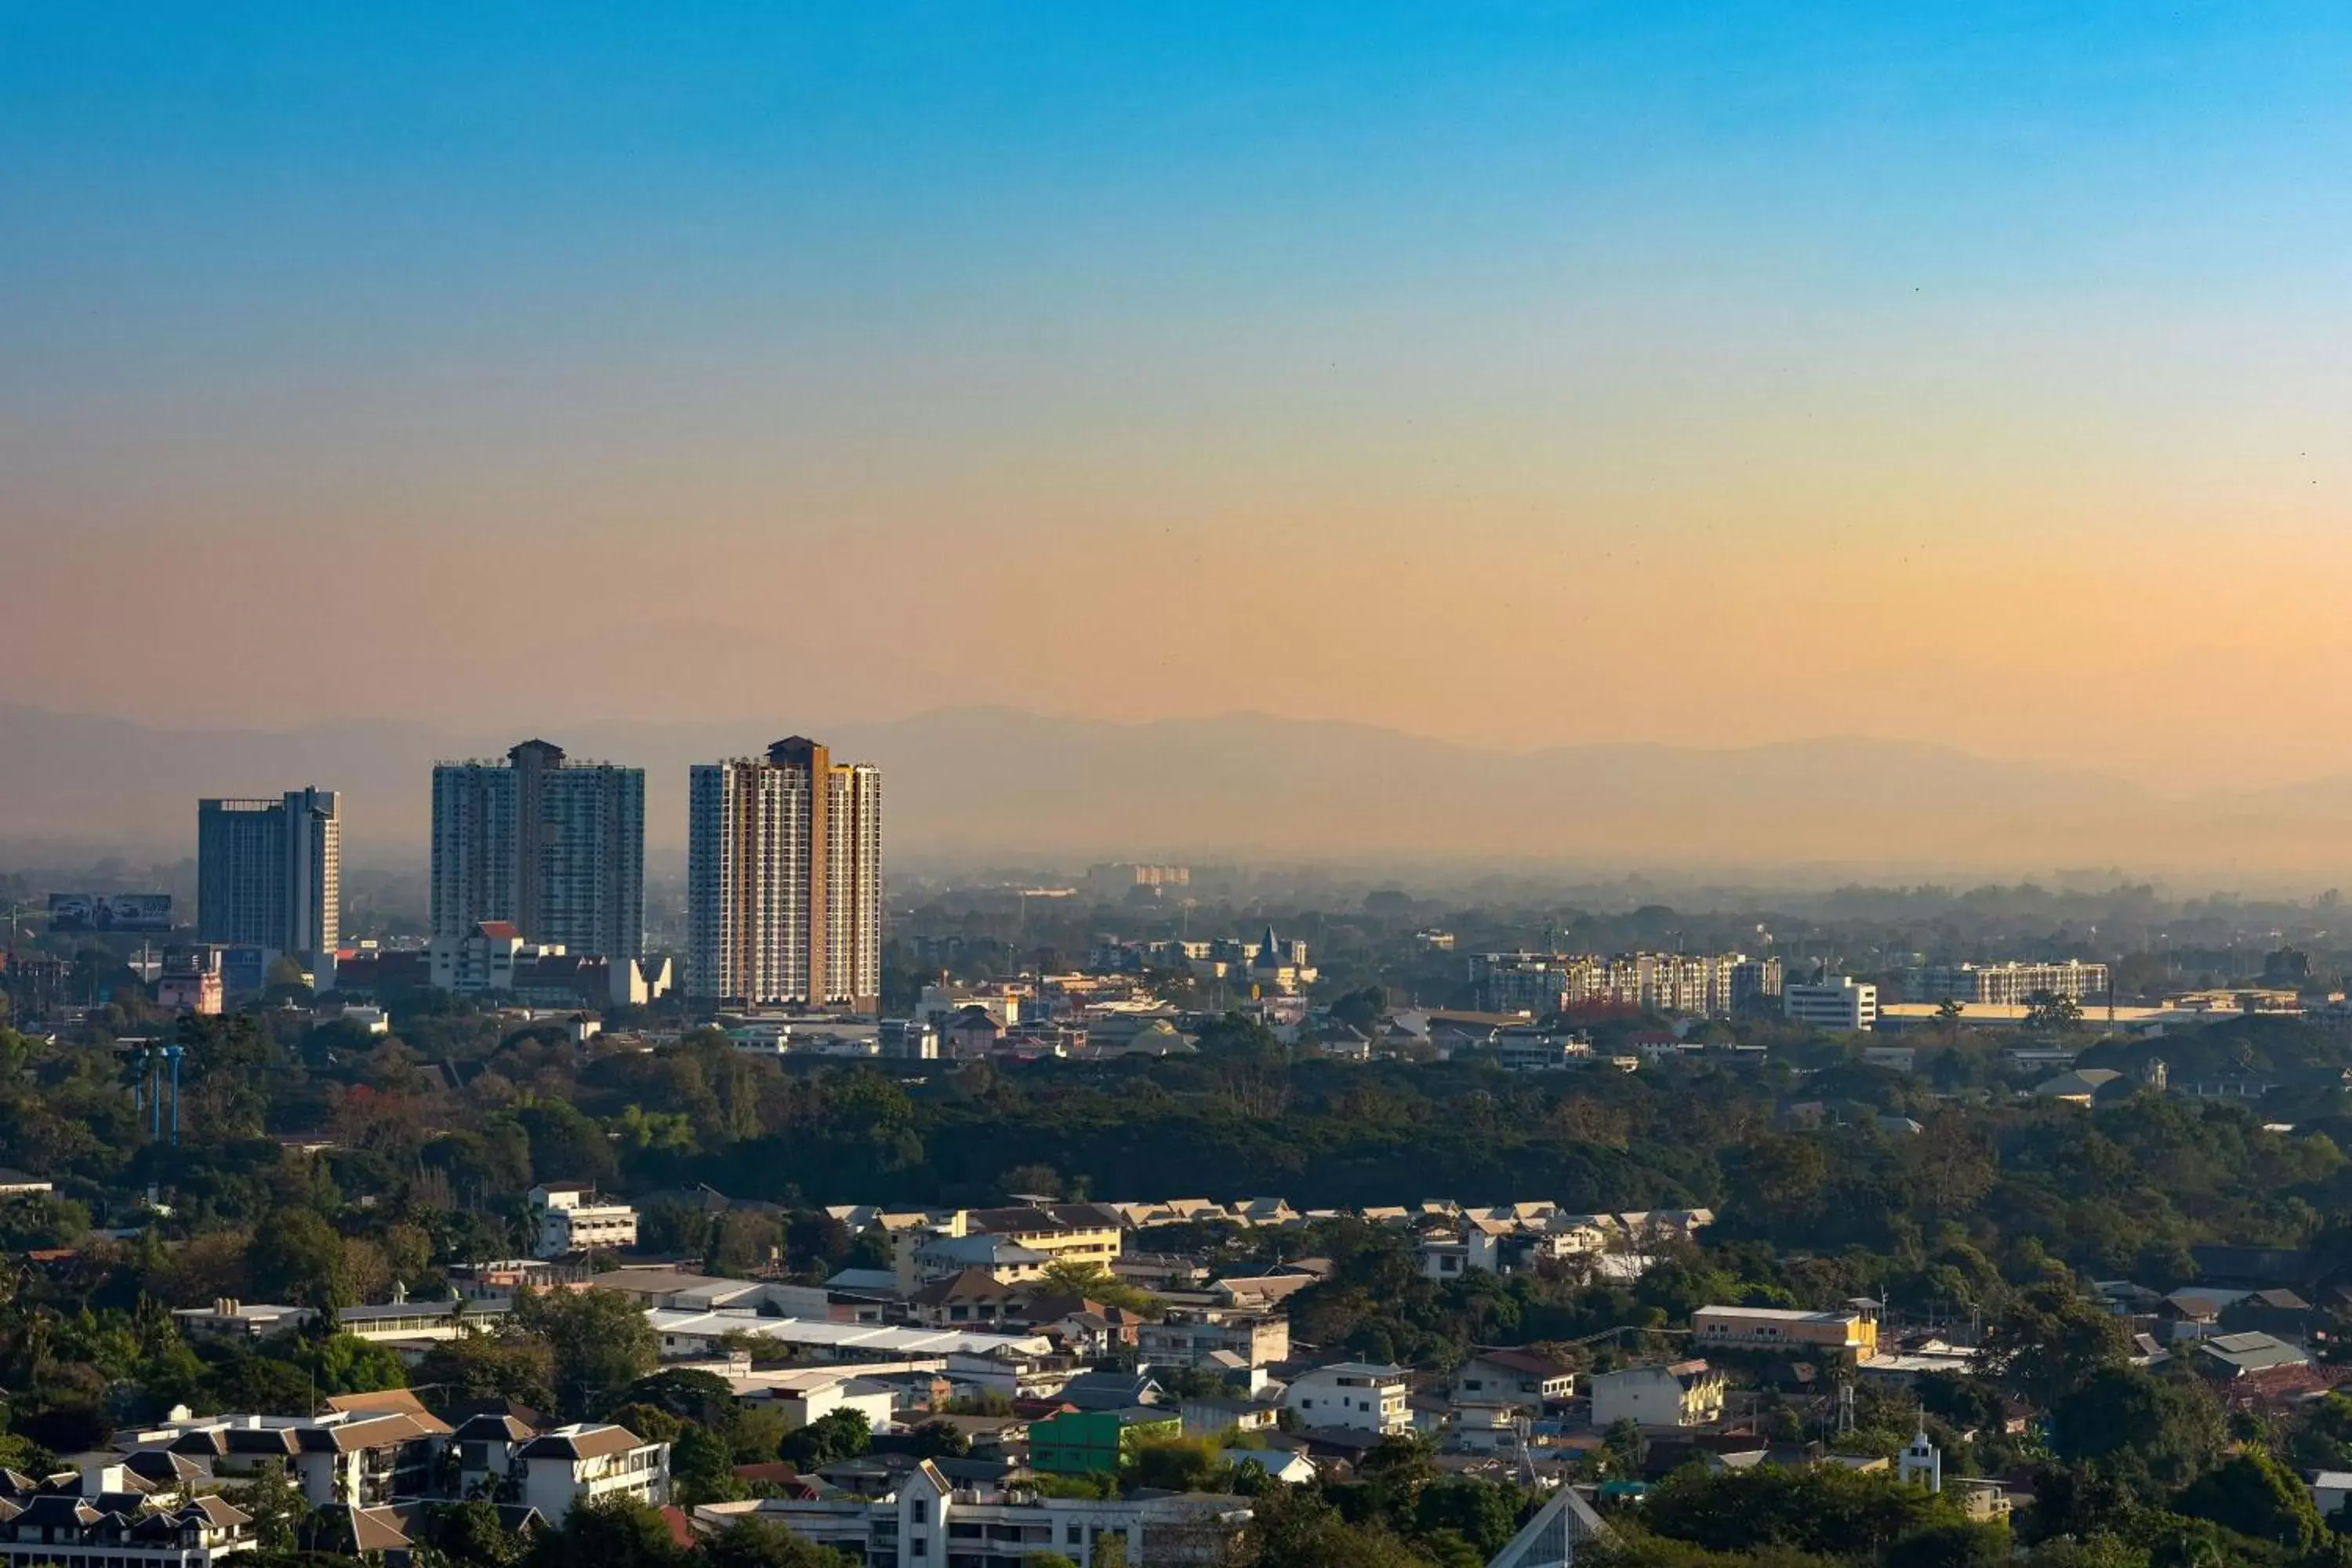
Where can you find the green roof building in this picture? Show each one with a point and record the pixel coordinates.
(1095, 1442)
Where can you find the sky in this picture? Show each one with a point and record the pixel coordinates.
(1521, 375)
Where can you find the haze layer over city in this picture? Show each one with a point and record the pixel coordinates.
(1175, 785)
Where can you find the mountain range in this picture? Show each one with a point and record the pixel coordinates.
(1004, 786)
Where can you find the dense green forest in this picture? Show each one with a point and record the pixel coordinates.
(1992, 1214)
(451, 1121)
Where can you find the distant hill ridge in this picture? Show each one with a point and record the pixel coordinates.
(1001, 782)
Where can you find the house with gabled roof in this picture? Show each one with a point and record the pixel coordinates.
(587, 1461)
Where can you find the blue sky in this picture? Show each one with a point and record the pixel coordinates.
(907, 296)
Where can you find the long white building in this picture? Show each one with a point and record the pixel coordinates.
(929, 1522)
(1544, 983)
(784, 880)
(2004, 984)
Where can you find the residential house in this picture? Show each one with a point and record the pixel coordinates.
(968, 1296)
(1094, 1327)
(1261, 1292)
(1088, 1234)
(360, 1459)
(2278, 1311)
(1484, 1426)
(1364, 1395)
(2082, 1086)
(668, 1285)
(1215, 1416)
(1192, 1338)
(1001, 1258)
(1289, 1466)
(1014, 1371)
(585, 1461)
(2195, 1312)
(1474, 1245)
(1685, 1393)
(970, 1033)
(1110, 1390)
(2228, 1358)
(486, 1443)
(1517, 1377)
(806, 1393)
(101, 1519)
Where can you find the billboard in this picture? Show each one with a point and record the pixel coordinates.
(110, 912)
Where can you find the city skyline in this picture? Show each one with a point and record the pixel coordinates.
(1892, 371)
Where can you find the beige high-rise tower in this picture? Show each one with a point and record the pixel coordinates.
(784, 880)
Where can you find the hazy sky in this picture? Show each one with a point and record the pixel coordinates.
(1521, 373)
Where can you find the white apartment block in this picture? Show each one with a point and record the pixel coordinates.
(572, 1220)
(1844, 1005)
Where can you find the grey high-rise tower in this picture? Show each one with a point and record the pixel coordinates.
(557, 848)
(269, 872)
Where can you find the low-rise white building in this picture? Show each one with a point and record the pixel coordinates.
(1845, 1004)
(684, 1334)
(228, 1318)
(572, 1220)
(927, 1523)
(1365, 1396)
(15, 1184)
(806, 1393)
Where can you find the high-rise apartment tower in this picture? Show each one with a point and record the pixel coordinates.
(784, 880)
(557, 848)
(269, 872)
